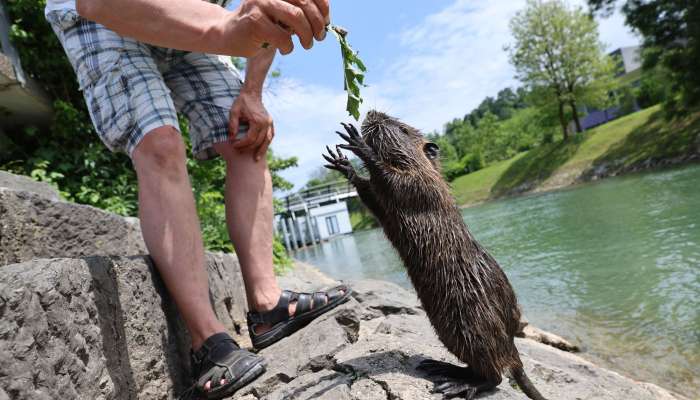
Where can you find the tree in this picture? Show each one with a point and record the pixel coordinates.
(671, 31)
(558, 53)
(321, 176)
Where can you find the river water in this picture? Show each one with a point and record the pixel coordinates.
(613, 266)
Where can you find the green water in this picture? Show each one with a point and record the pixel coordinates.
(614, 266)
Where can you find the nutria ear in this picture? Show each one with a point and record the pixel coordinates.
(431, 150)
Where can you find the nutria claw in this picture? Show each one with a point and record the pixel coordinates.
(355, 142)
(339, 162)
(451, 380)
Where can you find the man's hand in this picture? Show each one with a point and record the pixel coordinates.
(258, 22)
(249, 108)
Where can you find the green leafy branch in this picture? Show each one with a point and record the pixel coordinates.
(353, 71)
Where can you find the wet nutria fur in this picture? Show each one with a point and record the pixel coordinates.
(464, 292)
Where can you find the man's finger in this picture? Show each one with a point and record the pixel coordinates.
(292, 17)
(325, 8)
(250, 138)
(263, 128)
(313, 15)
(262, 150)
(233, 123)
(272, 33)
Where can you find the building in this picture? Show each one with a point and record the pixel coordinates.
(315, 214)
(331, 220)
(629, 59)
(629, 67)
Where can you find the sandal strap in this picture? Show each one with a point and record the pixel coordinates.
(320, 299)
(210, 344)
(336, 292)
(220, 358)
(305, 302)
(231, 367)
(278, 314)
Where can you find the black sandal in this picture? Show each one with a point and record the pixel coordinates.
(221, 358)
(307, 310)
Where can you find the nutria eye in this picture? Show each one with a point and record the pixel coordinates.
(431, 150)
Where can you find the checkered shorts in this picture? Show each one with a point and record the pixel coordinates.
(132, 88)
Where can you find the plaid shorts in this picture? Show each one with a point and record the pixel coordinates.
(132, 88)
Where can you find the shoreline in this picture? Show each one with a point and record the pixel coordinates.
(562, 181)
(310, 275)
(643, 141)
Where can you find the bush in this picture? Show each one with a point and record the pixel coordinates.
(473, 162)
(654, 87)
(469, 148)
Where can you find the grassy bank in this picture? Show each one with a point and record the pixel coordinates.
(641, 140)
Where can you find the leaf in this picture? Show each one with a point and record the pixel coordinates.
(353, 72)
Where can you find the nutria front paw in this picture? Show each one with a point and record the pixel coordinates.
(355, 143)
(340, 163)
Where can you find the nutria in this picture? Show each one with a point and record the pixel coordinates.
(464, 292)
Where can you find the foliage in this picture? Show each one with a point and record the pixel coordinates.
(465, 148)
(70, 155)
(353, 72)
(618, 144)
(671, 31)
(503, 106)
(322, 176)
(40, 51)
(360, 217)
(74, 160)
(276, 165)
(557, 52)
(626, 99)
(654, 87)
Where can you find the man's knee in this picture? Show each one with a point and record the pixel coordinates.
(240, 160)
(161, 149)
(226, 150)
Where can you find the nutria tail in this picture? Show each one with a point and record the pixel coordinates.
(525, 384)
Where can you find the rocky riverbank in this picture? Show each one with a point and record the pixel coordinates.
(84, 315)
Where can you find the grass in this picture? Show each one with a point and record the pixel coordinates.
(618, 145)
(361, 220)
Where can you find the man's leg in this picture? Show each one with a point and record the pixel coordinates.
(249, 215)
(171, 228)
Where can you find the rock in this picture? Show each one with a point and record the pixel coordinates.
(548, 338)
(100, 328)
(385, 298)
(26, 184)
(358, 352)
(104, 328)
(522, 323)
(228, 295)
(32, 226)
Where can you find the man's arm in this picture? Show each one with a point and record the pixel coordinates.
(197, 25)
(248, 107)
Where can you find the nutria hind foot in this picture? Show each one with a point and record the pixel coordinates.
(453, 381)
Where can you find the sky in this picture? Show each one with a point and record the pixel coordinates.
(428, 63)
